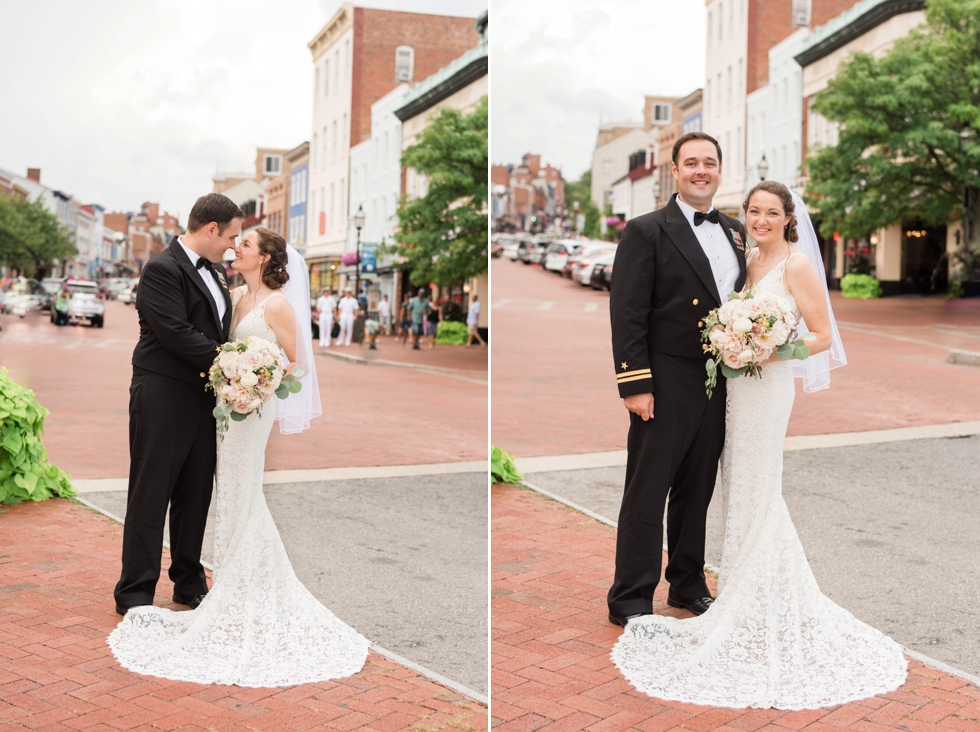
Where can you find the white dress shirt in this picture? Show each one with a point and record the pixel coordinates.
(717, 247)
(384, 309)
(209, 280)
(326, 304)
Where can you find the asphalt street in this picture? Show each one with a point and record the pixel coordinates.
(890, 531)
(403, 560)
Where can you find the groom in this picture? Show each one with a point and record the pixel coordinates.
(184, 315)
(672, 267)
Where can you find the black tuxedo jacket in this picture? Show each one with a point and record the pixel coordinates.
(661, 289)
(179, 325)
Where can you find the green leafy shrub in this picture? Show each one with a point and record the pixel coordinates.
(955, 290)
(861, 286)
(25, 473)
(502, 467)
(451, 333)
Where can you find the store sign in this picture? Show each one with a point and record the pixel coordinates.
(369, 258)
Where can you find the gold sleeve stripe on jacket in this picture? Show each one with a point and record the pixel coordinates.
(640, 372)
(635, 378)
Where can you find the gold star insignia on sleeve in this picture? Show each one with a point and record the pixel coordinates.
(624, 365)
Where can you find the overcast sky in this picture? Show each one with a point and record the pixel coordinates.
(123, 101)
(559, 66)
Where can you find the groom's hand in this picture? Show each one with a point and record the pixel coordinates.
(640, 405)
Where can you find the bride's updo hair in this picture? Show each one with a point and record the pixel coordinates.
(274, 274)
(782, 192)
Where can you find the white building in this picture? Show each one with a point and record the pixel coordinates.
(329, 141)
(775, 118)
(723, 104)
(375, 185)
(611, 160)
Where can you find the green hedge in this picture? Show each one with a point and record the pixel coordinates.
(25, 473)
(861, 286)
(451, 333)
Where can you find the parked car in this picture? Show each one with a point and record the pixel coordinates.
(49, 288)
(589, 249)
(114, 285)
(601, 274)
(127, 294)
(558, 253)
(529, 251)
(86, 302)
(583, 272)
(510, 249)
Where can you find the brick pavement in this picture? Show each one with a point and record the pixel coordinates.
(58, 564)
(372, 416)
(471, 361)
(551, 567)
(553, 391)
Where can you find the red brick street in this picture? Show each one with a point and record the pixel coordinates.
(554, 390)
(372, 415)
(57, 564)
(551, 645)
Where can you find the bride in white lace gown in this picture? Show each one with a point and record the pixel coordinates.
(770, 639)
(258, 625)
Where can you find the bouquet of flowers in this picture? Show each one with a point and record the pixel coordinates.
(745, 331)
(244, 376)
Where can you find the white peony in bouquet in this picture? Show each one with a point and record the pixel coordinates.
(745, 331)
(244, 376)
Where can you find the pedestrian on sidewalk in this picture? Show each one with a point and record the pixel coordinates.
(404, 320)
(418, 308)
(384, 314)
(347, 308)
(432, 320)
(326, 306)
(472, 323)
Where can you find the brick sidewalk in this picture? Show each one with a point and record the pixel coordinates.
(473, 360)
(58, 564)
(551, 644)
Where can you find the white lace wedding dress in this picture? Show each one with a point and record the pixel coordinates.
(770, 639)
(258, 626)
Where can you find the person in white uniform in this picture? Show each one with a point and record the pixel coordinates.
(384, 314)
(347, 308)
(326, 304)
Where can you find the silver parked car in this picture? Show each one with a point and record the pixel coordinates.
(86, 302)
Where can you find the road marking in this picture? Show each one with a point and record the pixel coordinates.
(871, 330)
(429, 674)
(314, 475)
(460, 374)
(500, 304)
(591, 307)
(617, 458)
(546, 305)
(73, 344)
(951, 330)
(103, 344)
(921, 657)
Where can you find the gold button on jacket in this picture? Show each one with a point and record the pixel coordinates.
(695, 301)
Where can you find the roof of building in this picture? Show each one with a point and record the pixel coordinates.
(852, 23)
(457, 74)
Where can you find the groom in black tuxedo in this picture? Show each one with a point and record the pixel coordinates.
(673, 266)
(184, 316)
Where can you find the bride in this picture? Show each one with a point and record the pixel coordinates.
(770, 639)
(258, 626)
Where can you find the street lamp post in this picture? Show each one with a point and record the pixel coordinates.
(358, 224)
(763, 168)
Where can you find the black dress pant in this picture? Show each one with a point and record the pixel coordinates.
(673, 455)
(172, 454)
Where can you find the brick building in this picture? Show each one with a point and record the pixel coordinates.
(359, 56)
(147, 233)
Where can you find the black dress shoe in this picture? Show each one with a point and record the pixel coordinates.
(698, 607)
(622, 620)
(192, 602)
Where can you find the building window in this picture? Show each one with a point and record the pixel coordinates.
(660, 112)
(323, 151)
(718, 106)
(332, 202)
(326, 79)
(801, 13)
(729, 90)
(313, 151)
(606, 167)
(336, 71)
(731, 17)
(721, 14)
(316, 85)
(343, 132)
(711, 20)
(333, 143)
(738, 149)
(707, 98)
(404, 63)
(343, 194)
(273, 164)
(346, 60)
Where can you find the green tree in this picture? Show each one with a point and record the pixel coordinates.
(31, 237)
(909, 124)
(581, 191)
(442, 235)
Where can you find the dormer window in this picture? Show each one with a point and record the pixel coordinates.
(661, 113)
(404, 63)
(273, 164)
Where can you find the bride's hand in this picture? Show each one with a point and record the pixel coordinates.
(290, 367)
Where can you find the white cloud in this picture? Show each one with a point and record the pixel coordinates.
(120, 102)
(559, 66)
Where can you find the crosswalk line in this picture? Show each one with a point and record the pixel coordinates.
(500, 304)
(591, 307)
(546, 305)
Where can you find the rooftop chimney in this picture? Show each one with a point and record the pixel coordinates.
(34, 174)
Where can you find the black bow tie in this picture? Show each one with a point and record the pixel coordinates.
(203, 263)
(712, 216)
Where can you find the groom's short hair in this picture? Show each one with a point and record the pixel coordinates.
(213, 207)
(693, 136)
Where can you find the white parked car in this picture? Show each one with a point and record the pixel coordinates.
(128, 293)
(585, 265)
(86, 302)
(558, 254)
